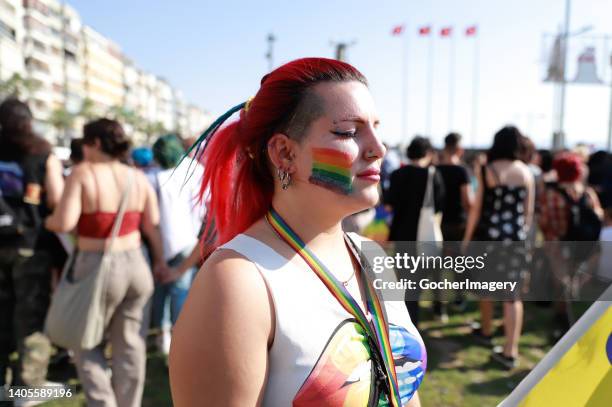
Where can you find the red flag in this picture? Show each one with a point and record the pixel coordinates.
(471, 30)
(425, 30)
(397, 30)
(446, 31)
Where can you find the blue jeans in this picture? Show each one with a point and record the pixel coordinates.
(174, 293)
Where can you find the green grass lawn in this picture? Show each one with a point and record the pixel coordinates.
(156, 392)
(459, 372)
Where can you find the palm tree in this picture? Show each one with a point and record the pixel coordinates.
(62, 120)
(154, 129)
(18, 86)
(88, 110)
(124, 115)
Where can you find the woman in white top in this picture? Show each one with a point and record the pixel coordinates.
(280, 313)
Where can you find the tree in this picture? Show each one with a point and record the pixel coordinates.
(88, 111)
(18, 86)
(124, 115)
(154, 129)
(62, 120)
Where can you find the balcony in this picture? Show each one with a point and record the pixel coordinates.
(41, 76)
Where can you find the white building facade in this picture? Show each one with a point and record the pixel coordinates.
(74, 71)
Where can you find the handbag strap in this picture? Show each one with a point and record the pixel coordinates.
(428, 200)
(121, 211)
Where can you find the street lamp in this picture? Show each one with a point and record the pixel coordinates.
(341, 48)
(560, 142)
(270, 54)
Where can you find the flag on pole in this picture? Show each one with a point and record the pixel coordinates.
(397, 30)
(471, 30)
(425, 30)
(578, 369)
(446, 31)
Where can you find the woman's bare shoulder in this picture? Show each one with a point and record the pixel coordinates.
(140, 178)
(231, 273)
(228, 306)
(80, 171)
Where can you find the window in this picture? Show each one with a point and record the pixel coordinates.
(36, 64)
(39, 45)
(7, 30)
(71, 40)
(36, 5)
(69, 55)
(32, 23)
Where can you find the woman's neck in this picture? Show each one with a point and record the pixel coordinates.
(318, 229)
(101, 158)
(421, 162)
(451, 159)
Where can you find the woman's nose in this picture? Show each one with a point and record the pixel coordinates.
(374, 148)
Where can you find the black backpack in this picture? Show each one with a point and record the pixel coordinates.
(583, 224)
(21, 201)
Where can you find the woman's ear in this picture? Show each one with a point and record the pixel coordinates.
(282, 152)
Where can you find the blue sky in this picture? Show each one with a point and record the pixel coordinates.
(214, 52)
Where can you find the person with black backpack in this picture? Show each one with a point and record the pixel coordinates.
(570, 213)
(31, 184)
(570, 210)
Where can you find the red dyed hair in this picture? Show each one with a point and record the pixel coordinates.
(237, 173)
(569, 167)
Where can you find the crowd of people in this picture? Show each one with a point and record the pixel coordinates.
(511, 192)
(277, 184)
(58, 219)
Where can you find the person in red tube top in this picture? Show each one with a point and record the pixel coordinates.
(90, 204)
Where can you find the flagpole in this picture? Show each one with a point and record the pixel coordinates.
(430, 86)
(451, 83)
(610, 117)
(475, 88)
(563, 79)
(404, 85)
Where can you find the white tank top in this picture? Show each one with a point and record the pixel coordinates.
(319, 354)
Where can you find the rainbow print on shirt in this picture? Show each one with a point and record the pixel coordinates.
(343, 374)
(331, 169)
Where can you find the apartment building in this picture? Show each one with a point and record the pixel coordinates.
(11, 38)
(42, 59)
(180, 112)
(103, 70)
(73, 50)
(71, 66)
(197, 121)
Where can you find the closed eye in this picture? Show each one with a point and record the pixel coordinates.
(350, 133)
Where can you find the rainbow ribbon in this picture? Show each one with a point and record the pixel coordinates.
(377, 330)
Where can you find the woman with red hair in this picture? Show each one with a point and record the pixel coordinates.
(559, 205)
(553, 203)
(281, 313)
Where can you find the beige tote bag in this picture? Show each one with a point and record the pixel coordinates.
(429, 232)
(76, 317)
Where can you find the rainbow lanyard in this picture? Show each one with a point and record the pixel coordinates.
(376, 330)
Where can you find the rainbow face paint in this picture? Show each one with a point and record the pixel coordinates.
(331, 169)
